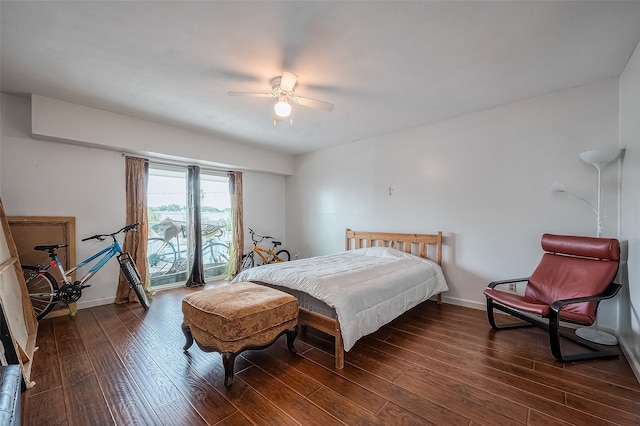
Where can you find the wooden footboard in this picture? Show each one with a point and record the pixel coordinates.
(327, 325)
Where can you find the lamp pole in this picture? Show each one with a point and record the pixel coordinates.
(599, 159)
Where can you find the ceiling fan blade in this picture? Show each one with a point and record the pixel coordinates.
(287, 81)
(313, 103)
(251, 94)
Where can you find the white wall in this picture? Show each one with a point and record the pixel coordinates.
(484, 179)
(43, 178)
(63, 121)
(264, 206)
(630, 220)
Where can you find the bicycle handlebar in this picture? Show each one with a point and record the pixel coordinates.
(125, 229)
(262, 237)
(129, 227)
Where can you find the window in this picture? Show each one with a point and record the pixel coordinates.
(168, 246)
(215, 217)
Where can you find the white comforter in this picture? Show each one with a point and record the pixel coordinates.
(367, 287)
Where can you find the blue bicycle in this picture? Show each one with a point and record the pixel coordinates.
(43, 287)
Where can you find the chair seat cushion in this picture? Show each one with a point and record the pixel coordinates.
(527, 304)
(517, 301)
(238, 311)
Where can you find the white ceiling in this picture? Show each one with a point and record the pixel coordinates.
(386, 65)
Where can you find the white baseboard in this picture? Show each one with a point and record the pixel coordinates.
(634, 363)
(83, 304)
(464, 302)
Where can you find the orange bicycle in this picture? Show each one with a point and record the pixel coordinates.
(266, 255)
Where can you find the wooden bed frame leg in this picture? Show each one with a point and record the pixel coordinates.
(439, 299)
(339, 352)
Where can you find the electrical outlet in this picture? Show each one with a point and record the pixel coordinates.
(512, 287)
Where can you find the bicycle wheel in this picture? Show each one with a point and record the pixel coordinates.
(282, 256)
(215, 259)
(247, 261)
(42, 290)
(132, 275)
(218, 253)
(161, 256)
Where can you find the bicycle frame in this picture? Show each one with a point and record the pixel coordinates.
(270, 252)
(112, 250)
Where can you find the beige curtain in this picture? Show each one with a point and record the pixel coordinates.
(135, 243)
(237, 225)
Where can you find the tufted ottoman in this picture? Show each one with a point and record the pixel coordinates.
(238, 317)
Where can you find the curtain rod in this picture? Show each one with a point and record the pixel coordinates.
(180, 163)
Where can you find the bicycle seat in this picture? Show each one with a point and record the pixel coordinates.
(276, 243)
(50, 248)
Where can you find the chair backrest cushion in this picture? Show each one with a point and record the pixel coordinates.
(572, 267)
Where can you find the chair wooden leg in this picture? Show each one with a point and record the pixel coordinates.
(490, 314)
(554, 342)
(554, 339)
(492, 321)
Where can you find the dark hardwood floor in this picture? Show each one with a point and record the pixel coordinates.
(436, 364)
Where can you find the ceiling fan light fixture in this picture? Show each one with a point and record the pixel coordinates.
(283, 88)
(282, 108)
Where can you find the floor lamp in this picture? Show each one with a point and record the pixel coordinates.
(598, 158)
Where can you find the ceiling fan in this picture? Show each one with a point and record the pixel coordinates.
(283, 89)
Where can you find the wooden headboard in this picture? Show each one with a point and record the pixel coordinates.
(417, 244)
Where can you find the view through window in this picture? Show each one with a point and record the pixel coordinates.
(167, 250)
(216, 223)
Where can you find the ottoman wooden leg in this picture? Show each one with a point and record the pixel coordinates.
(292, 333)
(187, 334)
(228, 361)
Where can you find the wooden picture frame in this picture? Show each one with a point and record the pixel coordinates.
(30, 231)
(14, 300)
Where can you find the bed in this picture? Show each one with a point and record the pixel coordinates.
(351, 294)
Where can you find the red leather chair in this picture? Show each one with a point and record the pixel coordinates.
(573, 276)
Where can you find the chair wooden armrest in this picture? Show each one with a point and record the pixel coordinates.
(493, 284)
(610, 292)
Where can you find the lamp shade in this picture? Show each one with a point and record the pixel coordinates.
(600, 157)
